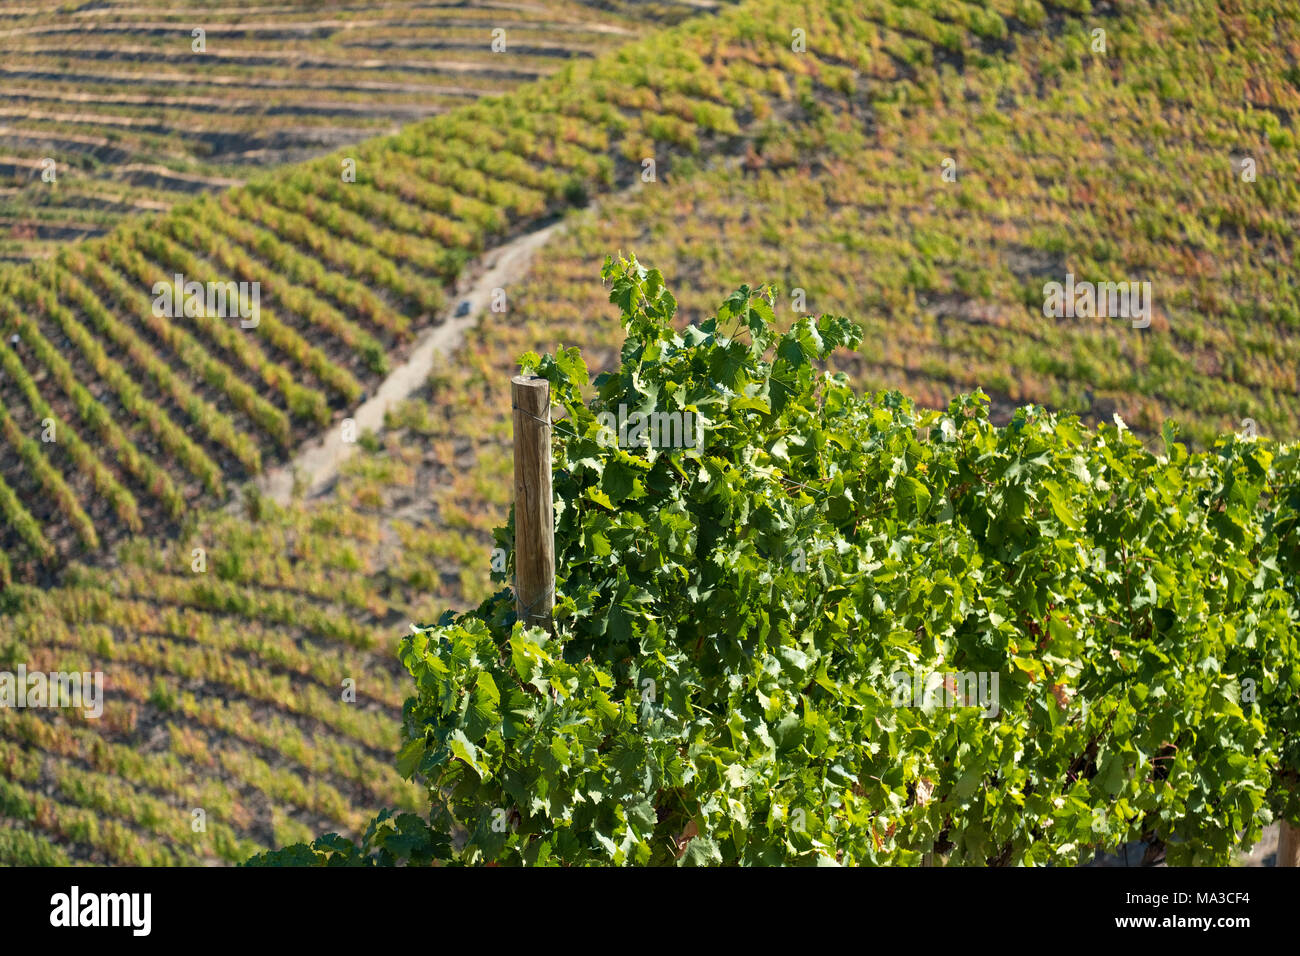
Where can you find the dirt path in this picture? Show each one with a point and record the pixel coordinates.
(319, 459)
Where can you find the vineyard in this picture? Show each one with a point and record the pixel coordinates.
(922, 168)
(227, 653)
(947, 277)
(227, 669)
(116, 109)
(349, 269)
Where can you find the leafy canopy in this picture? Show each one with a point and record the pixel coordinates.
(720, 684)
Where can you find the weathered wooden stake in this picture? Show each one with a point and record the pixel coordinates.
(1288, 845)
(534, 507)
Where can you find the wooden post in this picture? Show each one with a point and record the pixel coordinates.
(1288, 845)
(530, 397)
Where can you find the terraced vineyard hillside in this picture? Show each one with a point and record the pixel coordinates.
(849, 142)
(131, 111)
(947, 278)
(152, 415)
(227, 680)
(223, 683)
(822, 170)
(227, 653)
(1062, 161)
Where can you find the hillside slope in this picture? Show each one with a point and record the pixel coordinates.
(131, 109)
(1123, 166)
(153, 415)
(819, 170)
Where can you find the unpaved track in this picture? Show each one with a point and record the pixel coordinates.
(318, 461)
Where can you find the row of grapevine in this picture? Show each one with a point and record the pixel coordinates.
(302, 402)
(50, 480)
(149, 476)
(312, 312)
(171, 256)
(102, 479)
(301, 271)
(739, 703)
(188, 351)
(211, 421)
(42, 301)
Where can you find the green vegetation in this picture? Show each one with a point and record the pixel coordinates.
(819, 170)
(731, 619)
(837, 187)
